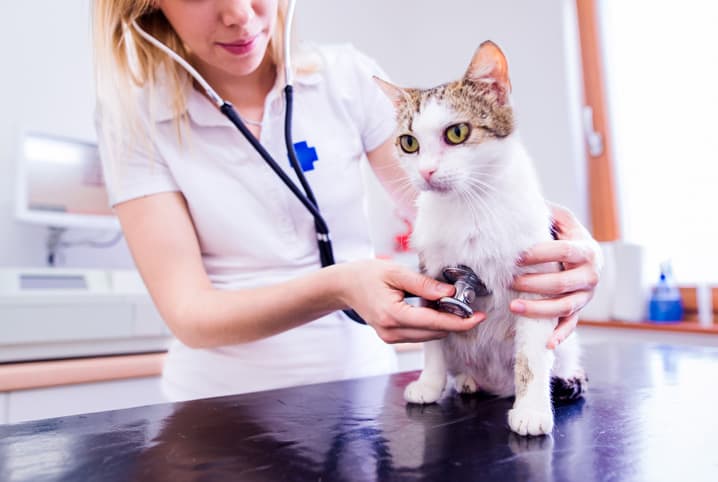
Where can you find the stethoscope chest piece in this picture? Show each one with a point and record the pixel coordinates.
(468, 287)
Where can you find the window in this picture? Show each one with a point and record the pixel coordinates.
(660, 71)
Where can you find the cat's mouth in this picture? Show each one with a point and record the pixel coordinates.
(435, 186)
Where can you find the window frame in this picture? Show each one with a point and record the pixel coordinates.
(603, 205)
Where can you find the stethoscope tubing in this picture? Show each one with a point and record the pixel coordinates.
(325, 249)
(307, 198)
(326, 253)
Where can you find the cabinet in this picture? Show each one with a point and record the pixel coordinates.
(37, 403)
(410, 356)
(3, 408)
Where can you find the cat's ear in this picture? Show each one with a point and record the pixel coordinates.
(489, 65)
(397, 95)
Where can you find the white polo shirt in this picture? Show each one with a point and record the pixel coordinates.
(253, 231)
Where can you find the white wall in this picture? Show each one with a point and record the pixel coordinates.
(47, 82)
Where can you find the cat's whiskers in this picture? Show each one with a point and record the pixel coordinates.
(480, 198)
(484, 186)
(483, 194)
(478, 210)
(481, 190)
(486, 178)
(467, 200)
(492, 170)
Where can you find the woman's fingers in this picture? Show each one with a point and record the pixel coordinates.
(415, 324)
(564, 328)
(567, 252)
(566, 223)
(377, 291)
(409, 335)
(406, 316)
(552, 308)
(572, 288)
(583, 277)
(419, 284)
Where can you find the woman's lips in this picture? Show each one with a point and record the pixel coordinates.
(239, 47)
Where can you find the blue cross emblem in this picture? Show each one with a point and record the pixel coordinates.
(305, 155)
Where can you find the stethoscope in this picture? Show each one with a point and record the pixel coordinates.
(307, 198)
(464, 282)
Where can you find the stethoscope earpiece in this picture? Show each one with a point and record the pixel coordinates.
(468, 287)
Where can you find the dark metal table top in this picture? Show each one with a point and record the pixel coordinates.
(651, 414)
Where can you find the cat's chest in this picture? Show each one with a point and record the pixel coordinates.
(460, 240)
(495, 270)
(490, 240)
(448, 235)
(484, 243)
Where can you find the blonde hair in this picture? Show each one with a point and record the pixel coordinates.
(124, 62)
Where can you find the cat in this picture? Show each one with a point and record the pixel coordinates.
(480, 205)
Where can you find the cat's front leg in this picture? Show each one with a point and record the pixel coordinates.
(532, 412)
(431, 382)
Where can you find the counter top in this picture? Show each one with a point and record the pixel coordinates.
(672, 327)
(649, 415)
(51, 373)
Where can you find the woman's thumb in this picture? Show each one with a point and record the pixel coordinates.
(423, 286)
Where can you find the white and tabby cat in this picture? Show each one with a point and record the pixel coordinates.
(480, 205)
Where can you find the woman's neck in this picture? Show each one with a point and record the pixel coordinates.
(245, 91)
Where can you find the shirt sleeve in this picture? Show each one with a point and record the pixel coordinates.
(377, 120)
(132, 169)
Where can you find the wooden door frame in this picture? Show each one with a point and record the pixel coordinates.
(603, 206)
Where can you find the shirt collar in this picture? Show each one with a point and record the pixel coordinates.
(201, 110)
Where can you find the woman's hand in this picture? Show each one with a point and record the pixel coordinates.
(571, 288)
(375, 289)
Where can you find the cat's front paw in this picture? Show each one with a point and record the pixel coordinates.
(526, 421)
(465, 384)
(422, 392)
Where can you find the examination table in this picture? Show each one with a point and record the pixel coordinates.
(650, 414)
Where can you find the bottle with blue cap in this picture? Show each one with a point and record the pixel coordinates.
(665, 305)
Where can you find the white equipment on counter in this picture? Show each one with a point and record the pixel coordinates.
(59, 183)
(49, 313)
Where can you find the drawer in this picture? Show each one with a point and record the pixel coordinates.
(64, 322)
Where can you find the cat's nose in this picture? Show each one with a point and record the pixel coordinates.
(427, 173)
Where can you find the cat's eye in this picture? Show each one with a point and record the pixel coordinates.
(457, 133)
(408, 143)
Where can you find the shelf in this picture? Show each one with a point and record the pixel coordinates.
(678, 327)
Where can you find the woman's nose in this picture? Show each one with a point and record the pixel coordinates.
(236, 12)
